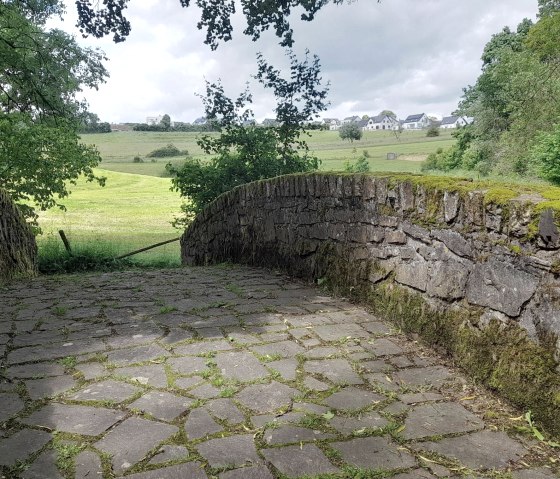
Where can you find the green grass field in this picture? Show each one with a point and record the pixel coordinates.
(130, 212)
(136, 207)
(119, 148)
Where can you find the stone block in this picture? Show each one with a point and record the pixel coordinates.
(548, 230)
(448, 279)
(450, 206)
(500, 286)
(454, 241)
(395, 237)
(413, 274)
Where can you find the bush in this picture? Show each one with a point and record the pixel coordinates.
(432, 131)
(350, 131)
(167, 151)
(444, 160)
(137, 159)
(546, 154)
(361, 165)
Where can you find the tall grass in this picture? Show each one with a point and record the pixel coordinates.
(98, 256)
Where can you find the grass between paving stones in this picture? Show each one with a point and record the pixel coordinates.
(65, 454)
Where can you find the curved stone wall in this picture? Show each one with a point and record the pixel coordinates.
(18, 249)
(472, 270)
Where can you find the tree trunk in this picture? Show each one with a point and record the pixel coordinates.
(18, 249)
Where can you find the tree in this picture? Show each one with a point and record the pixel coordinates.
(215, 18)
(243, 152)
(389, 113)
(165, 122)
(42, 71)
(548, 7)
(90, 124)
(350, 131)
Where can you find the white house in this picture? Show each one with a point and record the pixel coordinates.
(351, 119)
(416, 122)
(454, 122)
(331, 123)
(154, 120)
(381, 122)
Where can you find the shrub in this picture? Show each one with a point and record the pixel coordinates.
(137, 159)
(444, 160)
(432, 131)
(361, 165)
(167, 151)
(546, 154)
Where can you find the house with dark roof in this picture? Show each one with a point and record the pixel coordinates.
(351, 119)
(362, 123)
(416, 122)
(382, 122)
(454, 121)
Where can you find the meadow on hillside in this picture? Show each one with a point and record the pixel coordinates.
(118, 149)
(136, 207)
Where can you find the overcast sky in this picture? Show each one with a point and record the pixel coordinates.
(409, 56)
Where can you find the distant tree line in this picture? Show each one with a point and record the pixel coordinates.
(90, 124)
(177, 127)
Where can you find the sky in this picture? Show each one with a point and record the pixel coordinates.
(408, 56)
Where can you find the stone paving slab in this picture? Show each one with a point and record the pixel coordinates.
(229, 451)
(131, 440)
(21, 444)
(109, 390)
(74, 419)
(254, 375)
(486, 449)
(296, 461)
(374, 453)
(162, 405)
(10, 403)
(44, 466)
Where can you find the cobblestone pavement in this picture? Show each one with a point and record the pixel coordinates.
(233, 372)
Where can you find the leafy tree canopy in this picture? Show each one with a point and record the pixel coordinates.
(389, 113)
(350, 131)
(215, 17)
(41, 74)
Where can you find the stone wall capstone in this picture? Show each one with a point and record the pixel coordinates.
(18, 249)
(475, 276)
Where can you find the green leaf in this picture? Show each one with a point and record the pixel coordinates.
(328, 415)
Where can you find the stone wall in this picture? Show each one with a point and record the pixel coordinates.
(468, 270)
(18, 249)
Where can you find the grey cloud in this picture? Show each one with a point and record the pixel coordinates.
(407, 55)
